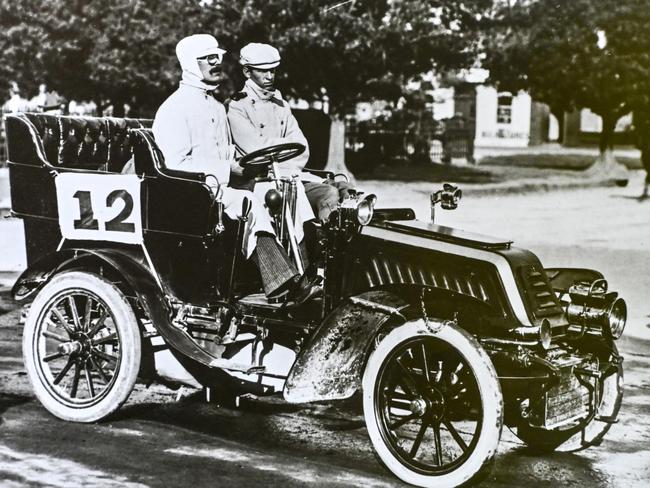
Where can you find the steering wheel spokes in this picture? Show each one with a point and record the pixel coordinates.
(273, 154)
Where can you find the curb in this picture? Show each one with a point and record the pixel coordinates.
(533, 186)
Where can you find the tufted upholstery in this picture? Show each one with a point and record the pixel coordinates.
(88, 143)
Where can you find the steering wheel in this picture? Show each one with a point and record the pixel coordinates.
(273, 154)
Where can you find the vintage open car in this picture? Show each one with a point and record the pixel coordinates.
(444, 335)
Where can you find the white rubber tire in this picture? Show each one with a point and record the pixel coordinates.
(490, 394)
(129, 342)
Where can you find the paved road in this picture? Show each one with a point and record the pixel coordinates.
(165, 438)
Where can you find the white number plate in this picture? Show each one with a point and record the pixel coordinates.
(99, 207)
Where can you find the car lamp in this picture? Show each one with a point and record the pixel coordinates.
(545, 334)
(366, 209)
(593, 308)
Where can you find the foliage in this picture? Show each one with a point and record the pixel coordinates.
(123, 50)
(578, 54)
(108, 51)
(360, 48)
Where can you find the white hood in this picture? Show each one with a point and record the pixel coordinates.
(188, 50)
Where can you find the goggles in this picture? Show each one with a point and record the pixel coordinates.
(212, 59)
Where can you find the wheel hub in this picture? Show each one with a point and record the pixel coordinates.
(72, 347)
(436, 404)
(419, 407)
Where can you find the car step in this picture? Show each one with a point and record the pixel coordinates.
(233, 366)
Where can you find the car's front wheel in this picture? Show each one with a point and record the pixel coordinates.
(81, 347)
(432, 404)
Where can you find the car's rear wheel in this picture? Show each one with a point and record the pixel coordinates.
(81, 347)
(433, 405)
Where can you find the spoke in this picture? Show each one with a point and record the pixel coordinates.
(411, 380)
(56, 337)
(52, 356)
(399, 403)
(89, 381)
(98, 324)
(74, 312)
(99, 369)
(436, 437)
(75, 381)
(439, 372)
(88, 311)
(63, 372)
(104, 355)
(454, 433)
(418, 439)
(102, 340)
(62, 320)
(426, 364)
(448, 368)
(409, 390)
(399, 395)
(465, 381)
(402, 421)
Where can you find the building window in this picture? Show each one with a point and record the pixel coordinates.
(504, 108)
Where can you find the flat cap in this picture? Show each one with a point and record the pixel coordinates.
(259, 56)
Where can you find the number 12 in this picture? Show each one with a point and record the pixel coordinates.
(87, 218)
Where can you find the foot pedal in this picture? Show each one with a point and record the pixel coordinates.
(259, 300)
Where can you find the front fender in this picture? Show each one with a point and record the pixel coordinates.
(562, 279)
(331, 366)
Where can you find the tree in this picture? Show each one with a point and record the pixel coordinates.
(578, 54)
(122, 51)
(109, 51)
(358, 49)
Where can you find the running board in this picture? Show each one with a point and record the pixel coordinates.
(232, 366)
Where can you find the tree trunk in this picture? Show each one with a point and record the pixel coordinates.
(645, 159)
(558, 112)
(606, 135)
(606, 166)
(336, 151)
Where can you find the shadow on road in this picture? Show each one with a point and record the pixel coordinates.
(319, 430)
(9, 400)
(545, 470)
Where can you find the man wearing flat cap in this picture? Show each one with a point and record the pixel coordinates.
(191, 129)
(259, 117)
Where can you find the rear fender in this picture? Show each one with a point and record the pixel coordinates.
(331, 365)
(137, 276)
(39, 273)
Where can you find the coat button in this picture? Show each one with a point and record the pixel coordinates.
(282, 122)
(261, 126)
